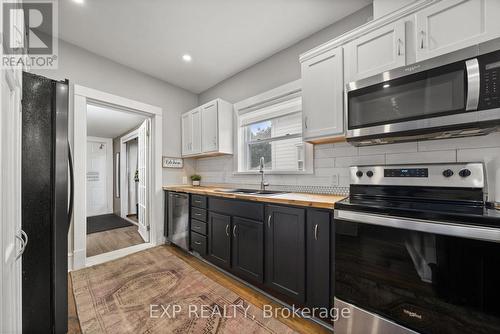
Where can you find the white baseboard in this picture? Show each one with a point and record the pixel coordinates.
(78, 259)
(70, 262)
(109, 256)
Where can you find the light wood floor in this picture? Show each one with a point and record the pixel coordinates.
(107, 241)
(254, 297)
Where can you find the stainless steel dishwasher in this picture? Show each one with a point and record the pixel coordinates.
(178, 219)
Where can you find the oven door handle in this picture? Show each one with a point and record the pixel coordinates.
(473, 84)
(425, 226)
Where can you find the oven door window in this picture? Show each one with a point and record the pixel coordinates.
(436, 92)
(427, 282)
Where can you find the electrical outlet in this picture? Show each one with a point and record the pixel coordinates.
(335, 179)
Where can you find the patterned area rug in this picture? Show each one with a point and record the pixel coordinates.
(137, 294)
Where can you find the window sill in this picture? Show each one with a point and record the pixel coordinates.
(275, 172)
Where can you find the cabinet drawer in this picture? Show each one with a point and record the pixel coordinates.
(198, 226)
(243, 209)
(199, 201)
(199, 214)
(199, 243)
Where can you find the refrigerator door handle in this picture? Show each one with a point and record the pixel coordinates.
(71, 185)
(23, 238)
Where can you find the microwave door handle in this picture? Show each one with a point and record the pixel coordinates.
(473, 82)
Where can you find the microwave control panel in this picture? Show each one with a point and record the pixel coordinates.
(490, 81)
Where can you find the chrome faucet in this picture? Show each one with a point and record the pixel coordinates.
(263, 184)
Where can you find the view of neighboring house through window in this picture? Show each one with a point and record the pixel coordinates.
(275, 133)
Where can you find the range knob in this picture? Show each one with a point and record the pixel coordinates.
(447, 173)
(359, 173)
(369, 173)
(465, 172)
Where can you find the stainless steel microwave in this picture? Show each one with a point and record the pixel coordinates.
(457, 94)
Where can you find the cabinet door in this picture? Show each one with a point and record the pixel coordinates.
(285, 251)
(219, 240)
(375, 52)
(322, 96)
(318, 258)
(451, 25)
(196, 132)
(248, 249)
(210, 127)
(187, 133)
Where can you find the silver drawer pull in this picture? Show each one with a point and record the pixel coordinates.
(234, 230)
(23, 238)
(316, 232)
(269, 221)
(197, 243)
(227, 230)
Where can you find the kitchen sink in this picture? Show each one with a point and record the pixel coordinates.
(252, 192)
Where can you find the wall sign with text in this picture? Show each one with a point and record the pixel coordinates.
(172, 162)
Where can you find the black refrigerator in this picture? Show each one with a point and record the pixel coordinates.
(46, 204)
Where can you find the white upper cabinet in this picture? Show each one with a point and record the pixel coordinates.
(322, 96)
(191, 132)
(209, 127)
(376, 52)
(208, 130)
(451, 25)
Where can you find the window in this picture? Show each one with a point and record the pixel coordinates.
(273, 132)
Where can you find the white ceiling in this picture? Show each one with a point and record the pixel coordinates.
(110, 123)
(223, 36)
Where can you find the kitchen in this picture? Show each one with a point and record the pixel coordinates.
(347, 181)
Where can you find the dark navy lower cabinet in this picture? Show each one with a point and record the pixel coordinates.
(248, 249)
(285, 253)
(318, 227)
(219, 240)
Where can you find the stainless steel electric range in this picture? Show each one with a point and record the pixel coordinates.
(417, 249)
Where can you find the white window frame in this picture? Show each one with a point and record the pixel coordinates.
(289, 93)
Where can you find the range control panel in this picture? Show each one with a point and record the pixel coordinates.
(431, 175)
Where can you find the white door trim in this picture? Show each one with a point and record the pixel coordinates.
(83, 96)
(109, 169)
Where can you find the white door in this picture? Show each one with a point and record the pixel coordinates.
(97, 199)
(210, 127)
(375, 52)
(10, 201)
(142, 189)
(451, 25)
(322, 95)
(187, 133)
(196, 131)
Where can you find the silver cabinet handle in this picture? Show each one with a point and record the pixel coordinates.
(305, 122)
(234, 231)
(316, 232)
(399, 46)
(197, 243)
(23, 238)
(269, 221)
(422, 33)
(227, 230)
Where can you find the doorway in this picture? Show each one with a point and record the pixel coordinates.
(122, 141)
(111, 225)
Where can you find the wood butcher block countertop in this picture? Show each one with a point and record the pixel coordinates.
(299, 199)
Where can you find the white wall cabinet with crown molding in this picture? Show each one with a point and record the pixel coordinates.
(208, 130)
(451, 25)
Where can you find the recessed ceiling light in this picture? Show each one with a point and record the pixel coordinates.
(79, 1)
(187, 58)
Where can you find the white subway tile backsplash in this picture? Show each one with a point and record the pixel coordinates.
(389, 148)
(422, 157)
(332, 162)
